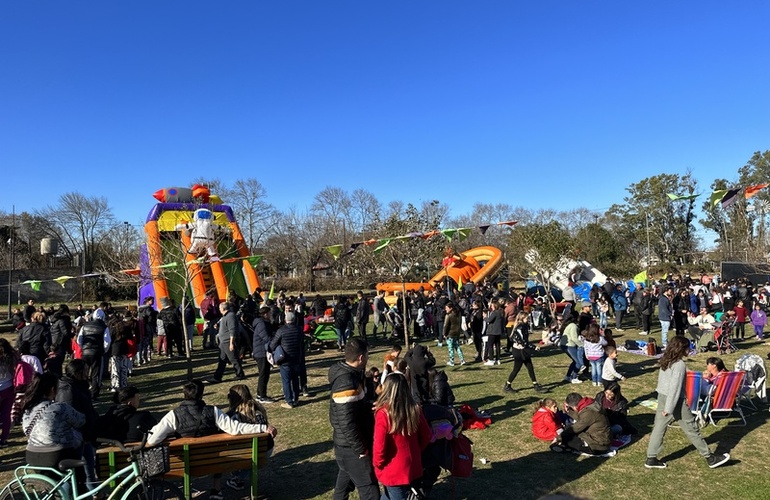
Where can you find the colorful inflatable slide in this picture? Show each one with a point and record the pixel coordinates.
(164, 258)
(471, 265)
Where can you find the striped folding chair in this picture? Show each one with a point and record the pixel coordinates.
(724, 397)
(692, 388)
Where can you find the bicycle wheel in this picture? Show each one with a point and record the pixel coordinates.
(31, 488)
(156, 489)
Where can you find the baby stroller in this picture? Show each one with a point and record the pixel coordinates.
(722, 337)
(394, 317)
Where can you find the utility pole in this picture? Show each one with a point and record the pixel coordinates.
(12, 244)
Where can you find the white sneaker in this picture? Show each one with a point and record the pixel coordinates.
(643, 333)
(489, 363)
(451, 363)
(576, 381)
(497, 362)
(462, 363)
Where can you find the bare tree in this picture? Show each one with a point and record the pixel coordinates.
(364, 207)
(80, 223)
(247, 198)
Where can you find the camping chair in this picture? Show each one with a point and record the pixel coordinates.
(723, 397)
(755, 380)
(692, 386)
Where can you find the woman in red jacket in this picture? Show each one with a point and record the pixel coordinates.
(545, 422)
(400, 434)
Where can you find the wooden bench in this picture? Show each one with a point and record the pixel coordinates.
(196, 457)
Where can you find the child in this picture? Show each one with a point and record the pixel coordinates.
(391, 361)
(609, 373)
(609, 338)
(594, 344)
(740, 320)
(162, 342)
(758, 321)
(546, 424)
(604, 306)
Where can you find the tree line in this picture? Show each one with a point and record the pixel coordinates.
(646, 231)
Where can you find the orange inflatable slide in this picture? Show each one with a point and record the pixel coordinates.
(471, 265)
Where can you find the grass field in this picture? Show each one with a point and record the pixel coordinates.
(517, 465)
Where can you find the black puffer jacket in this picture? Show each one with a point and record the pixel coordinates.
(124, 423)
(440, 392)
(350, 410)
(290, 338)
(61, 333)
(76, 394)
(419, 359)
(39, 337)
(261, 338)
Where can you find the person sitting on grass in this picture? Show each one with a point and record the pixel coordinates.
(194, 418)
(615, 406)
(590, 432)
(546, 423)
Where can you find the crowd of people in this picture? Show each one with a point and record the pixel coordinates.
(51, 379)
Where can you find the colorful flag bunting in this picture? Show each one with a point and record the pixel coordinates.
(483, 229)
(463, 233)
(641, 277)
(63, 279)
(334, 250)
(449, 233)
(271, 295)
(381, 244)
(677, 197)
(717, 196)
(34, 284)
(730, 198)
(508, 223)
(753, 190)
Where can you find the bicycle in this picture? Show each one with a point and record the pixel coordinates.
(44, 483)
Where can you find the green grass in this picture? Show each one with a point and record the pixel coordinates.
(519, 466)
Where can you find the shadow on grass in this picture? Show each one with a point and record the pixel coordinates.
(536, 474)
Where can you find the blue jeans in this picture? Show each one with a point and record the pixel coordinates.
(664, 326)
(596, 369)
(342, 336)
(602, 320)
(576, 354)
(290, 381)
(396, 493)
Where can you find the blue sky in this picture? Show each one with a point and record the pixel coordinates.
(555, 104)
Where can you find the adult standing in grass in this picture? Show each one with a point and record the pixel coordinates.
(291, 339)
(228, 332)
(452, 332)
(401, 433)
(350, 414)
(521, 351)
(672, 405)
(495, 326)
(572, 345)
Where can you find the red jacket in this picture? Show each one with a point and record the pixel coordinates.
(545, 424)
(397, 458)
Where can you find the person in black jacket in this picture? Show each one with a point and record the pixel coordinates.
(440, 300)
(440, 392)
(291, 339)
(61, 339)
(172, 324)
(363, 310)
(94, 339)
(419, 359)
(124, 422)
(352, 420)
(227, 338)
(260, 341)
(38, 335)
(342, 318)
(73, 390)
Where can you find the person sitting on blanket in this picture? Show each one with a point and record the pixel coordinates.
(590, 432)
(194, 418)
(615, 406)
(714, 368)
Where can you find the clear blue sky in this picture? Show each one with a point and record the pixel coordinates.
(526, 103)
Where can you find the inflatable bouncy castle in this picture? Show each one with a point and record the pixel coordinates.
(192, 236)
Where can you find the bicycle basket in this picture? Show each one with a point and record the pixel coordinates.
(154, 461)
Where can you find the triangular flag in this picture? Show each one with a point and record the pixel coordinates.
(483, 229)
(508, 223)
(677, 197)
(354, 246)
(335, 250)
(717, 196)
(63, 279)
(370, 242)
(730, 198)
(34, 284)
(166, 266)
(381, 244)
(752, 190)
(641, 277)
(430, 234)
(449, 233)
(254, 260)
(463, 233)
(415, 234)
(460, 283)
(272, 291)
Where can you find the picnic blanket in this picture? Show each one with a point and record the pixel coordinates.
(617, 443)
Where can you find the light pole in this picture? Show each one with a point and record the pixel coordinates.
(647, 222)
(12, 243)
